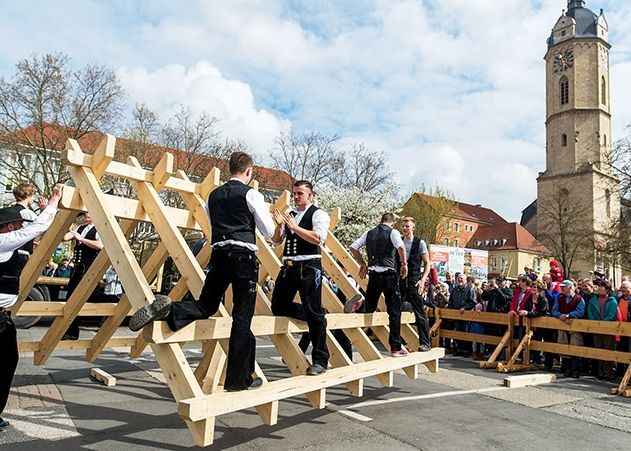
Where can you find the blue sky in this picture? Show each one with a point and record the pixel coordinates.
(452, 90)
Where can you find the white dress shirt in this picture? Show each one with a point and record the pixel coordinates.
(11, 241)
(321, 222)
(262, 218)
(395, 239)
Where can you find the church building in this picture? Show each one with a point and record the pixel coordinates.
(577, 210)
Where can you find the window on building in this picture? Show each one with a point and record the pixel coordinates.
(456, 227)
(536, 264)
(446, 241)
(447, 225)
(503, 265)
(605, 141)
(603, 89)
(456, 242)
(493, 263)
(564, 87)
(608, 202)
(564, 140)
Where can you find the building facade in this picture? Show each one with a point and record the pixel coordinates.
(578, 197)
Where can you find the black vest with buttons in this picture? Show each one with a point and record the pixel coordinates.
(10, 273)
(230, 217)
(414, 259)
(379, 247)
(294, 245)
(28, 247)
(84, 254)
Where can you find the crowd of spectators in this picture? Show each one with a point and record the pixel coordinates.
(531, 296)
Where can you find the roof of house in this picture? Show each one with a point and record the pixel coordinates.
(198, 164)
(507, 236)
(469, 212)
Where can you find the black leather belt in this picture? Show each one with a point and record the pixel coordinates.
(291, 263)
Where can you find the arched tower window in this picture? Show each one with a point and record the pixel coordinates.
(563, 140)
(603, 88)
(608, 202)
(564, 88)
(605, 141)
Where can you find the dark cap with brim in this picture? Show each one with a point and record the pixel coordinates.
(11, 214)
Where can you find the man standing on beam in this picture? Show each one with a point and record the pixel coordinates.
(235, 211)
(382, 244)
(304, 230)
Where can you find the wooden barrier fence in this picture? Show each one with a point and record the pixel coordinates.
(198, 390)
(521, 349)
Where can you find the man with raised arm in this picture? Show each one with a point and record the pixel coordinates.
(304, 230)
(15, 231)
(235, 212)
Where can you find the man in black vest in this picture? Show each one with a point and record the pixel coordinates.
(304, 230)
(413, 285)
(14, 235)
(87, 246)
(235, 211)
(382, 244)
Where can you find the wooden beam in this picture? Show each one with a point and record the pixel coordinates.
(224, 402)
(527, 380)
(115, 342)
(46, 247)
(163, 171)
(102, 376)
(103, 155)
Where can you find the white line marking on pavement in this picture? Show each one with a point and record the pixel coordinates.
(415, 398)
(355, 415)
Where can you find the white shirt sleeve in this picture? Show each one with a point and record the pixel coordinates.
(422, 247)
(360, 242)
(395, 238)
(11, 241)
(27, 213)
(262, 216)
(321, 223)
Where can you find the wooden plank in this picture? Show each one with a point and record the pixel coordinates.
(224, 402)
(103, 155)
(49, 308)
(523, 343)
(115, 342)
(163, 171)
(526, 380)
(56, 281)
(581, 351)
(78, 298)
(125, 209)
(102, 376)
(490, 363)
(465, 336)
(219, 327)
(74, 157)
(46, 247)
(123, 308)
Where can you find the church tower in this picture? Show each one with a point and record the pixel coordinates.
(578, 198)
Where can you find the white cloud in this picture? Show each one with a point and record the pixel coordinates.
(203, 88)
(453, 90)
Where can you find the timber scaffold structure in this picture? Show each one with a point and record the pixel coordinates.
(198, 390)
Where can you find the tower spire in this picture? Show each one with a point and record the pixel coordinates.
(571, 4)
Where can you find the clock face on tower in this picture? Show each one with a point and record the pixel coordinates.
(563, 60)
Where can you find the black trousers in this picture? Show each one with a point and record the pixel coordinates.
(10, 356)
(78, 272)
(409, 293)
(386, 283)
(228, 265)
(304, 278)
(344, 342)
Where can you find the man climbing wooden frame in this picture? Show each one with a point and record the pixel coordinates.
(199, 393)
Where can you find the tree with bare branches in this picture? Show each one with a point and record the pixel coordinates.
(45, 102)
